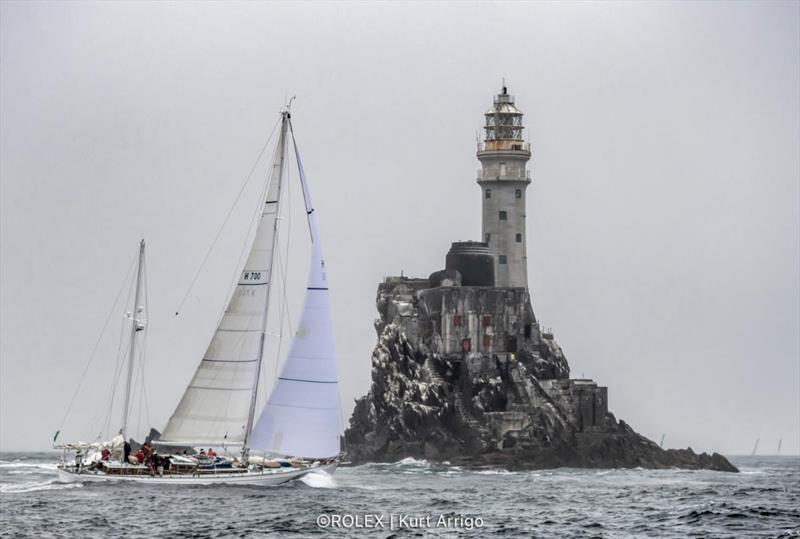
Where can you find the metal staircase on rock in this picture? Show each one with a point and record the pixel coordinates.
(431, 370)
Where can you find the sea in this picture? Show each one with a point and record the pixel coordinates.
(413, 498)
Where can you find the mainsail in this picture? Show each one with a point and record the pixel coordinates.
(301, 416)
(217, 406)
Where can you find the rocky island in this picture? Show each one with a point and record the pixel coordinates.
(463, 372)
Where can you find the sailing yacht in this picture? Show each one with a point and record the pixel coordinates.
(296, 432)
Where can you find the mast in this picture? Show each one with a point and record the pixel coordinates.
(135, 328)
(301, 416)
(279, 162)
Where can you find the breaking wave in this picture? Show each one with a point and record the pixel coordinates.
(411, 461)
(33, 486)
(320, 479)
(499, 471)
(21, 464)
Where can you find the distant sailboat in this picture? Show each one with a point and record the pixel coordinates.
(778, 452)
(298, 430)
(755, 447)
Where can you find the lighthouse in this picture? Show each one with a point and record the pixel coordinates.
(504, 178)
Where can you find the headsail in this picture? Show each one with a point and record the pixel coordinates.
(301, 417)
(217, 403)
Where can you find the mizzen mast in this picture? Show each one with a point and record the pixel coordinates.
(137, 325)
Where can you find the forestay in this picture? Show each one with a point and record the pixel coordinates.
(301, 417)
(215, 407)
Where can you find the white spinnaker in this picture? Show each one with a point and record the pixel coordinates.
(301, 416)
(215, 407)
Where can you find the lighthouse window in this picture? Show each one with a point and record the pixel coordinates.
(503, 215)
(501, 259)
(488, 193)
(519, 238)
(518, 193)
(488, 237)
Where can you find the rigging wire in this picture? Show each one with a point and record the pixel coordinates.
(254, 221)
(100, 419)
(113, 391)
(94, 350)
(121, 358)
(120, 361)
(115, 379)
(284, 302)
(225, 221)
(246, 245)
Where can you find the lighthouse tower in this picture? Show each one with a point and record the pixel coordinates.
(503, 179)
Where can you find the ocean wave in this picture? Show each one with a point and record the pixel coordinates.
(499, 471)
(7, 467)
(20, 464)
(411, 461)
(320, 479)
(33, 486)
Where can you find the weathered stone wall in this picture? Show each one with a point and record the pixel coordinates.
(505, 399)
(583, 402)
(484, 320)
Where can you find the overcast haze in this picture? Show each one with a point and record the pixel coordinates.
(663, 231)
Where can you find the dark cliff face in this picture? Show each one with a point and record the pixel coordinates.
(465, 374)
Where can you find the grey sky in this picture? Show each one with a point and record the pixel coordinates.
(663, 228)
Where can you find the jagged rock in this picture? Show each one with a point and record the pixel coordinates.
(465, 374)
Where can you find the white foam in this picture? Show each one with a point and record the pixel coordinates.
(33, 486)
(320, 479)
(411, 461)
(367, 487)
(20, 464)
(499, 471)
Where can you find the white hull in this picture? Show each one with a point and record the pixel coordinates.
(265, 478)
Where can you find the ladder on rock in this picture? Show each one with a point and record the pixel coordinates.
(431, 370)
(458, 401)
(549, 402)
